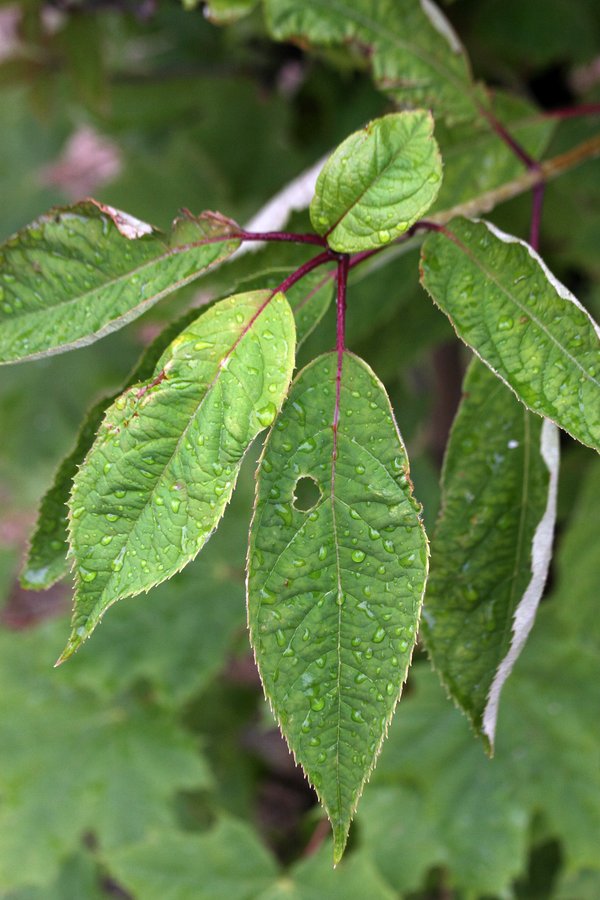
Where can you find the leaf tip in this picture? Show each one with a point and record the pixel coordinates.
(340, 839)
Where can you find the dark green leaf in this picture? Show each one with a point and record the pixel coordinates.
(337, 565)
(415, 56)
(71, 764)
(492, 544)
(526, 326)
(78, 273)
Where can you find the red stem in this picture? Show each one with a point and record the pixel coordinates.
(288, 236)
(340, 343)
(536, 215)
(303, 270)
(569, 112)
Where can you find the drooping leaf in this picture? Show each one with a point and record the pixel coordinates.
(523, 323)
(180, 637)
(162, 470)
(46, 560)
(80, 272)
(474, 816)
(415, 56)
(492, 545)
(377, 182)
(72, 764)
(335, 580)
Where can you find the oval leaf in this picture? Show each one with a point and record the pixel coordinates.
(78, 273)
(523, 323)
(156, 481)
(492, 545)
(378, 182)
(335, 582)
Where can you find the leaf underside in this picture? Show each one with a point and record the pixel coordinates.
(414, 56)
(528, 329)
(491, 549)
(378, 182)
(80, 272)
(335, 587)
(156, 481)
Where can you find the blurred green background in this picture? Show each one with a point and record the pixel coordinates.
(149, 766)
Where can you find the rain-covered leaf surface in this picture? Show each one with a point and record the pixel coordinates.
(162, 470)
(78, 273)
(473, 815)
(526, 326)
(378, 182)
(337, 565)
(46, 560)
(179, 637)
(415, 56)
(492, 544)
(71, 763)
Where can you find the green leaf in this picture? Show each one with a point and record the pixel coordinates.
(492, 545)
(162, 470)
(477, 160)
(309, 298)
(415, 56)
(180, 637)
(526, 326)
(46, 560)
(72, 764)
(473, 816)
(229, 861)
(378, 182)
(80, 272)
(335, 581)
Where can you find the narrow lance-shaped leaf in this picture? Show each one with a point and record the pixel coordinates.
(335, 581)
(80, 272)
(377, 182)
(156, 481)
(520, 320)
(415, 56)
(492, 545)
(46, 560)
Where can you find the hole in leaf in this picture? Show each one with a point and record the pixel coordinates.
(307, 494)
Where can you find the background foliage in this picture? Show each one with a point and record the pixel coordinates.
(149, 766)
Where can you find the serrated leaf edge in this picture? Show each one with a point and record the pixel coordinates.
(76, 639)
(340, 837)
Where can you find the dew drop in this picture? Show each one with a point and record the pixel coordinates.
(358, 556)
(378, 636)
(505, 323)
(317, 703)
